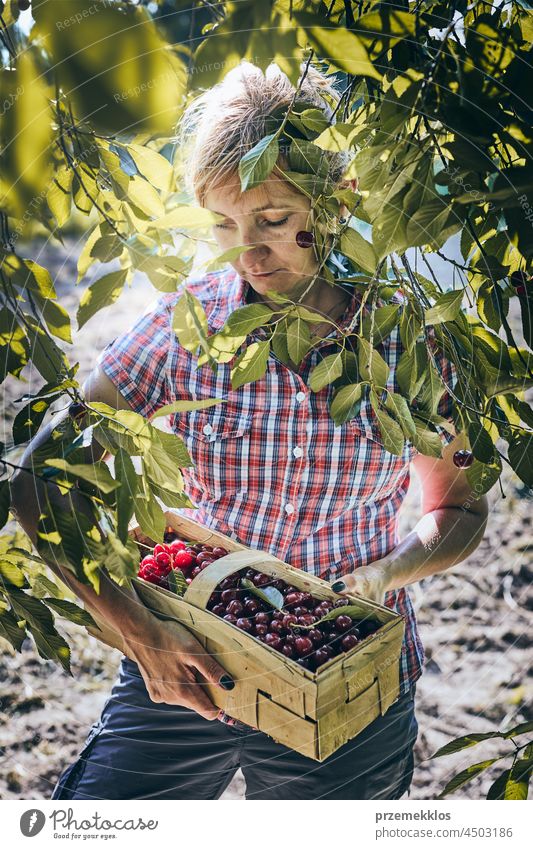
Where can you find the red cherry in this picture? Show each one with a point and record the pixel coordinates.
(316, 636)
(183, 560)
(196, 571)
(160, 548)
(276, 626)
(229, 583)
(218, 551)
(244, 624)
(289, 620)
(349, 641)
(228, 595)
(273, 640)
(303, 646)
(261, 580)
(260, 629)
(308, 600)
(288, 651)
(320, 657)
(342, 602)
(164, 560)
(251, 606)
(305, 238)
(235, 607)
(262, 618)
(300, 611)
(293, 599)
(77, 410)
(230, 618)
(219, 610)
(149, 560)
(205, 555)
(521, 291)
(307, 619)
(279, 614)
(463, 459)
(206, 562)
(343, 623)
(177, 545)
(304, 661)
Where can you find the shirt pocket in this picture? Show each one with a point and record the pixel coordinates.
(218, 443)
(377, 473)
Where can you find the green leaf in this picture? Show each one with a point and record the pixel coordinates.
(346, 403)
(29, 419)
(497, 790)
(326, 371)
(521, 455)
(103, 292)
(426, 441)
(483, 476)
(187, 218)
(121, 561)
(11, 573)
(257, 164)
(356, 248)
(150, 517)
(298, 340)
(185, 406)
(481, 443)
(372, 366)
(245, 319)
(270, 595)
(42, 586)
(411, 370)
(176, 582)
(447, 308)
(251, 365)
(522, 728)
(465, 742)
(385, 320)
(391, 432)
(52, 646)
(465, 776)
(515, 791)
(127, 478)
(155, 167)
(58, 197)
(96, 474)
(401, 412)
(32, 610)
(339, 46)
(145, 197)
(10, 630)
(71, 611)
(189, 322)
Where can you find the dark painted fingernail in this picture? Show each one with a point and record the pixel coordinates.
(338, 586)
(227, 682)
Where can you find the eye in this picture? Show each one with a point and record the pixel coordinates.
(277, 223)
(221, 226)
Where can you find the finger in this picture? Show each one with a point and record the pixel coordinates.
(211, 670)
(200, 702)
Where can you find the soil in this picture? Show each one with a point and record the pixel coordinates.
(475, 622)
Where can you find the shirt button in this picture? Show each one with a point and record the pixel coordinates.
(300, 396)
(207, 429)
(297, 451)
(289, 509)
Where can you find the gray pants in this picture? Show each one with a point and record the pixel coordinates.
(142, 750)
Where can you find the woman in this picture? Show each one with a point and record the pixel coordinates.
(273, 471)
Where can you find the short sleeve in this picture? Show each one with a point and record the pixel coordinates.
(136, 361)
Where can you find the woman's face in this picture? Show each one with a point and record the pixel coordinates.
(268, 218)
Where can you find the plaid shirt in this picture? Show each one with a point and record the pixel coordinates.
(271, 469)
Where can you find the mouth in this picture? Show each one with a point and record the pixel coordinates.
(263, 274)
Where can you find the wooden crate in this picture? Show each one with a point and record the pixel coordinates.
(312, 713)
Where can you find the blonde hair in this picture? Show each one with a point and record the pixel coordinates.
(219, 126)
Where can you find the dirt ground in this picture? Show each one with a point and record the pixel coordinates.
(475, 623)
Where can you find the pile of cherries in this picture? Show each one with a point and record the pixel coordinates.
(189, 557)
(296, 630)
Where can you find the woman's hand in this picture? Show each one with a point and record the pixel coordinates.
(173, 664)
(369, 581)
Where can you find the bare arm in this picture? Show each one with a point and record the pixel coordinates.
(451, 527)
(167, 654)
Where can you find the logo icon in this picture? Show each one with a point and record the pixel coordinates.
(32, 822)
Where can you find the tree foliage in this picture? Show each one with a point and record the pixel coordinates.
(435, 112)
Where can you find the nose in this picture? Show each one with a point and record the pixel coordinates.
(256, 254)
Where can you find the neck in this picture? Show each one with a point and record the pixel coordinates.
(330, 301)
